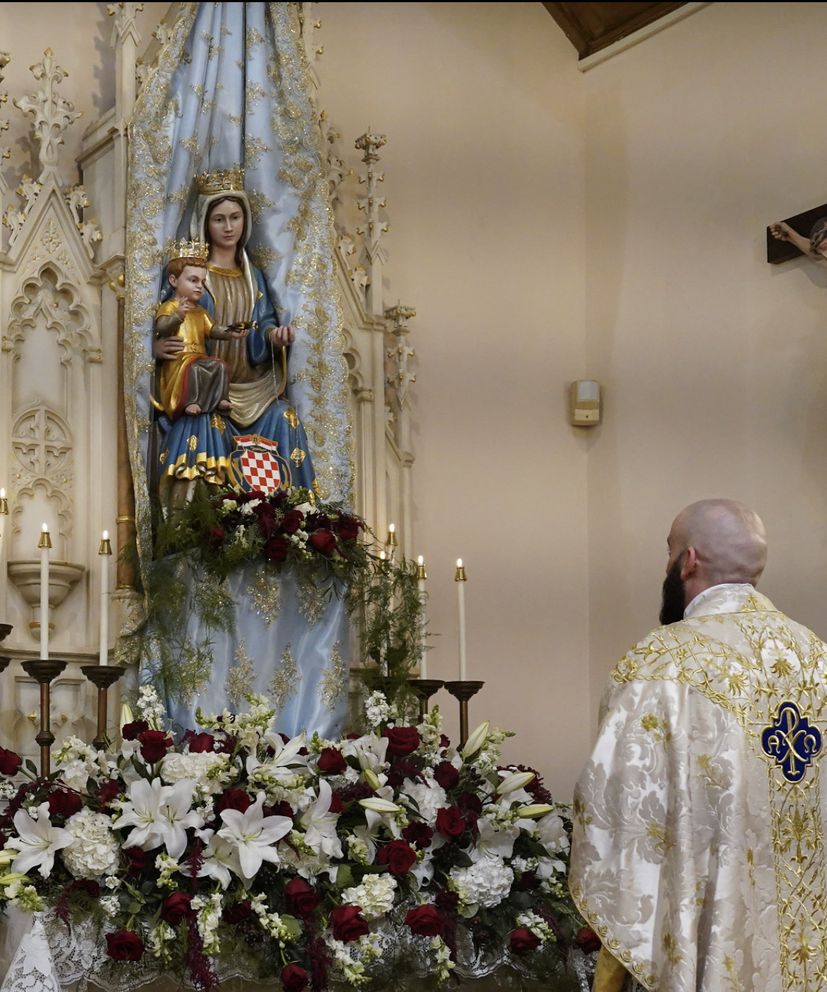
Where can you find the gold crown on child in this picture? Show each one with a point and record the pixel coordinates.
(221, 181)
(197, 250)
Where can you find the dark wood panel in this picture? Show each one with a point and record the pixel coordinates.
(593, 26)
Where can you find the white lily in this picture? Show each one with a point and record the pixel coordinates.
(37, 840)
(160, 815)
(254, 835)
(476, 740)
(382, 806)
(320, 824)
(534, 811)
(220, 858)
(513, 781)
(495, 838)
(285, 757)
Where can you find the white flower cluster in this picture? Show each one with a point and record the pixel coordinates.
(94, 852)
(110, 905)
(210, 771)
(443, 963)
(351, 958)
(160, 937)
(377, 710)
(78, 762)
(150, 708)
(375, 895)
(485, 883)
(537, 925)
(23, 896)
(208, 919)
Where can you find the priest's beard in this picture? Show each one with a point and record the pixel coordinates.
(673, 600)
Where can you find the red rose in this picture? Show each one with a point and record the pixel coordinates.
(200, 743)
(347, 923)
(587, 940)
(294, 978)
(524, 940)
(138, 858)
(124, 945)
(348, 527)
(302, 898)
(234, 799)
(131, 731)
(449, 822)
(266, 516)
(401, 740)
(419, 834)
(324, 542)
(276, 548)
(216, 536)
(92, 889)
(176, 908)
(446, 775)
(425, 921)
(10, 762)
(238, 912)
(398, 856)
(154, 745)
(107, 791)
(292, 521)
(64, 803)
(331, 761)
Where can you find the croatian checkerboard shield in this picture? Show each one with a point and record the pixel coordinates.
(257, 464)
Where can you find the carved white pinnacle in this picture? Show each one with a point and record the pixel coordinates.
(124, 19)
(5, 58)
(402, 379)
(51, 112)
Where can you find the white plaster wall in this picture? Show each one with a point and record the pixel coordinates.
(483, 107)
(714, 363)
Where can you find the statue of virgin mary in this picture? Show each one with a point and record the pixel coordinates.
(228, 101)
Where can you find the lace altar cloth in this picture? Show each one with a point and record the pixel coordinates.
(46, 957)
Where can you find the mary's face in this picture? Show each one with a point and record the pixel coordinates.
(225, 224)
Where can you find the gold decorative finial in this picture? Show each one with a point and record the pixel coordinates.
(198, 251)
(221, 180)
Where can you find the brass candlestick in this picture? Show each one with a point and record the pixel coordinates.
(103, 676)
(463, 691)
(424, 689)
(44, 670)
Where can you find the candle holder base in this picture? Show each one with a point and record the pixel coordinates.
(102, 676)
(463, 690)
(43, 671)
(424, 689)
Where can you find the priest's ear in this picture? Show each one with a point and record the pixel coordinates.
(689, 565)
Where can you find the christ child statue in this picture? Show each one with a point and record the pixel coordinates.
(192, 382)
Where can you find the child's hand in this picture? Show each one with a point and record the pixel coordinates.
(184, 307)
(237, 332)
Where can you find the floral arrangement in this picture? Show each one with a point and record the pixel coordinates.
(330, 551)
(311, 860)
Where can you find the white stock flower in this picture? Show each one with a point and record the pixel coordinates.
(94, 850)
(254, 835)
(485, 883)
(37, 840)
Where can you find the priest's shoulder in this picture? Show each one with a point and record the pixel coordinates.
(656, 656)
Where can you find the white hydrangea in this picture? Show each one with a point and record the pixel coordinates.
(428, 796)
(110, 905)
(207, 769)
(485, 883)
(375, 895)
(94, 850)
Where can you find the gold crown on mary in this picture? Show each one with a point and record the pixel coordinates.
(196, 250)
(221, 181)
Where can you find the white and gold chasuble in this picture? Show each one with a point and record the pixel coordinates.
(699, 820)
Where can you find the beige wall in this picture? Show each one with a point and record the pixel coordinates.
(483, 107)
(714, 362)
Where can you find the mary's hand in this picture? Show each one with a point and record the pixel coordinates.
(280, 337)
(165, 349)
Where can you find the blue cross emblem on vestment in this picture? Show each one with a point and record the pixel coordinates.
(791, 741)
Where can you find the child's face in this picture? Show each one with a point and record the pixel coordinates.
(190, 284)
